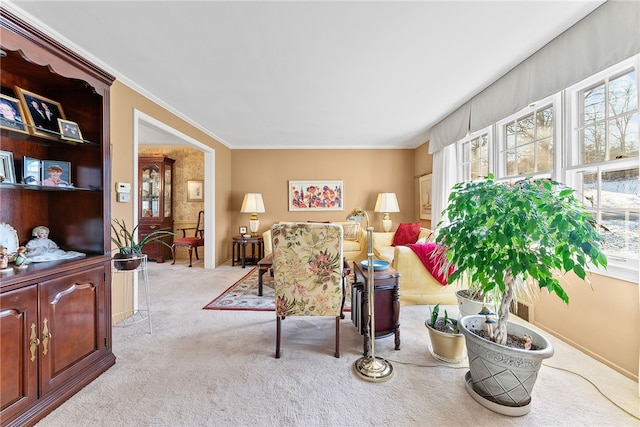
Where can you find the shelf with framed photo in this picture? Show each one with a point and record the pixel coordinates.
(78, 217)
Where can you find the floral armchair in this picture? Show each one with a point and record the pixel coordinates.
(307, 271)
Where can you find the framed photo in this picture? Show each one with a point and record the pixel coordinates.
(425, 197)
(56, 173)
(42, 114)
(69, 130)
(11, 115)
(195, 191)
(31, 171)
(7, 172)
(242, 230)
(316, 195)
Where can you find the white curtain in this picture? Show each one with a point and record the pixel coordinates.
(445, 166)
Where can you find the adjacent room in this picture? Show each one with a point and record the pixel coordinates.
(269, 212)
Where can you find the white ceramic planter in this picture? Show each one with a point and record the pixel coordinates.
(502, 377)
(469, 307)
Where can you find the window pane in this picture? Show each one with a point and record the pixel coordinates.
(590, 190)
(623, 136)
(623, 94)
(544, 120)
(525, 130)
(510, 157)
(594, 144)
(620, 189)
(525, 159)
(510, 136)
(544, 155)
(593, 104)
(484, 145)
(621, 239)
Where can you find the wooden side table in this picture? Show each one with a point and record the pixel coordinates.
(387, 303)
(239, 250)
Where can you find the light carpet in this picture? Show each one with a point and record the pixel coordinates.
(243, 295)
(217, 368)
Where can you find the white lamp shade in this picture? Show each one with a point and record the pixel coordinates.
(252, 203)
(387, 203)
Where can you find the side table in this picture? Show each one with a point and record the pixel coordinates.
(387, 304)
(136, 314)
(239, 250)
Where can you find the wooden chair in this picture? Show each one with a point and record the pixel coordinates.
(307, 270)
(192, 242)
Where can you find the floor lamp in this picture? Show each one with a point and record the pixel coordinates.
(372, 368)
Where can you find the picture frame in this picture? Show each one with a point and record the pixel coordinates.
(316, 195)
(242, 230)
(425, 196)
(41, 122)
(50, 171)
(69, 130)
(195, 191)
(7, 171)
(31, 171)
(11, 114)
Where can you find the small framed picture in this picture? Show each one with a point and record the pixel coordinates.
(242, 230)
(42, 114)
(56, 173)
(195, 191)
(31, 171)
(11, 116)
(69, 130)
(7, 171)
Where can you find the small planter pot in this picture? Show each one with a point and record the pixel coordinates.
(501, 378)
(126, 261)
(470, 307)
(446, 347)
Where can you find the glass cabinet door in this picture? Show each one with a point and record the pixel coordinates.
(167, 191)
(150, 197)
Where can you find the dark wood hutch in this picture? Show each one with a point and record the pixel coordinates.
(55, 317)
(155, 211)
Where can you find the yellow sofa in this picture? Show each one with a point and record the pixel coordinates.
(354, 244)
(382, 241)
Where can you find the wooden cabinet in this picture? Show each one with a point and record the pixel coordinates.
(55, 316)
(155, 175)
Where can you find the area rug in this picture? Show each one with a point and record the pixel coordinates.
(243, 295)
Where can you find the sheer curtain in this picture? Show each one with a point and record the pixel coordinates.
(445, 166)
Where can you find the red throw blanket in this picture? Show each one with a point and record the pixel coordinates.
(425, 252)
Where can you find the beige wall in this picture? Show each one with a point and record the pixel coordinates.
(365, 174)
(123, 101)
(603, 319)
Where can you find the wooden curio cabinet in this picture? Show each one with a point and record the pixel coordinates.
(55, 315)
(155, 177)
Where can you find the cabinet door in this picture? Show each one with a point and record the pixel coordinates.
(18, 330)
(151, 191)
(72, 325)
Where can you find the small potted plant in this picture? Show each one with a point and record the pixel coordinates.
(506, 238)
(129, 250)
(447, 343)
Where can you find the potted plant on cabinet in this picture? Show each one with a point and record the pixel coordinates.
(447, 343)
(130, 249)
(515, 235)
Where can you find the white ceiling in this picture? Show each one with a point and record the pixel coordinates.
(307, 74)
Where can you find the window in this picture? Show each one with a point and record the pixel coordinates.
(586, 136)
(474, 152)
(602, 162)
(526, 141)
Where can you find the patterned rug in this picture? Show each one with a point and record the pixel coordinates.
(243, 295)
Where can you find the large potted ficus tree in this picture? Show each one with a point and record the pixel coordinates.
(504, 238)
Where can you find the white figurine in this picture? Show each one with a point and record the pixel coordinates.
(43, 249)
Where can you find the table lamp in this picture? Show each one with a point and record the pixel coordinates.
(386, 204)
(254, 205)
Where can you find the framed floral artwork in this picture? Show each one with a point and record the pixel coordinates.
(316, 195)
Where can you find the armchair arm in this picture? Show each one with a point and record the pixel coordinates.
(184, 230)
(417, 285)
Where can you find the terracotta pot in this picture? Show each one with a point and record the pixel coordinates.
(126, 261)
(446, 347)
(501, 378)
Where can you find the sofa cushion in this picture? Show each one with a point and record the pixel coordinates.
(406, 233)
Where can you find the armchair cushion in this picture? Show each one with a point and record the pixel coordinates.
(406, 234)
